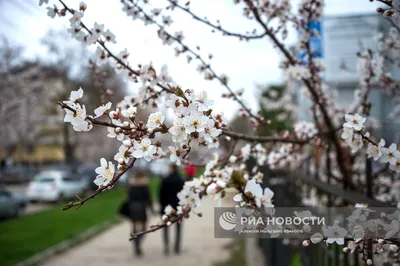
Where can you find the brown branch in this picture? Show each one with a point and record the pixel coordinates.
(102, 44)
(198, 57)
(155, 228)
(309, 84)
(101, 189)
(262, 139)
(216, 27)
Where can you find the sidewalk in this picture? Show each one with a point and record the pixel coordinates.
(199, 247)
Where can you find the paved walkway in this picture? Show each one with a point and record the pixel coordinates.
(199, 247)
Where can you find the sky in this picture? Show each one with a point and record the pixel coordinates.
(246, 64)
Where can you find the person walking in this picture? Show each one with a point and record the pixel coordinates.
(138, 202)
(169, 188)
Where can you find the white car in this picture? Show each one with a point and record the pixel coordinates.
(54, 186)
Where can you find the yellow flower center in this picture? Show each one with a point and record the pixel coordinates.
(107, 174)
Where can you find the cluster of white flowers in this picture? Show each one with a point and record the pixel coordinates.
(194, 124)
(77, 117)
(286, 156)
(257, 151)
(213, 182)
(298, 72)
(354, 135)
(370, 66)
(305, 130)
(254, 192)
(76, 29)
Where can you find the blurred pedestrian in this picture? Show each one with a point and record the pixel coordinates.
(139, 201)
(170, 186)
(190, 171)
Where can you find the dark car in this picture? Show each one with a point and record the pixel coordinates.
(11, 205)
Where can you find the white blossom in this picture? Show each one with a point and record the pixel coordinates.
(375, 151)
(354, 121)
(169, 210)
(155, 120)
(129, 112)
(77, 118)
(298, 72)
(202, 101)
(334, 233)
(390, 155)
(357, 143)
(210, 132)
(52, 11)
(167, 20)
(101, 56)
(195, 123)
(176, 155)
(305, 129)
(123, 155)
(113, 134)
(99, 111)
(105, 173)
(347, 134)
(178, 131)
(76, 17)
(144, 149)
(252, 190)
(82, 6)
(109, 36)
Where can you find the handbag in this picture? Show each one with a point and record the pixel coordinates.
(124, 209)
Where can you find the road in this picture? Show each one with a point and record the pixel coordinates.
(20, 189)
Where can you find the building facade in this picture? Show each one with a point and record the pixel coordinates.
(343, 37)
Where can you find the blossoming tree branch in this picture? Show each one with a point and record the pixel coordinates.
(338, 139)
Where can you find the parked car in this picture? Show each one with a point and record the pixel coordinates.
(11, 205)
(87, 173)
(55, 185)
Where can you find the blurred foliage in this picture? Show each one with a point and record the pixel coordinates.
(279, 116)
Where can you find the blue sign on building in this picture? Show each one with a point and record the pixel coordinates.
(316, 42)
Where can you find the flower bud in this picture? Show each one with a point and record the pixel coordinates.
(381, 241)
(316, 238)
(393, 248)
(169, 223)
(369, 262)
(346, 249)
(127, 143)
(121, 161)
(165, 218)
(211, 189)
(306, 243)
(118, 130)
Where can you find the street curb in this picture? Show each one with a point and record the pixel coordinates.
(68, 244)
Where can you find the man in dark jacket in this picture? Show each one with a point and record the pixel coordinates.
(170, 186)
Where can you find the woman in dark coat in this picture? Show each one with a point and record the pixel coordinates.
(139, 201)
(169, 188)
